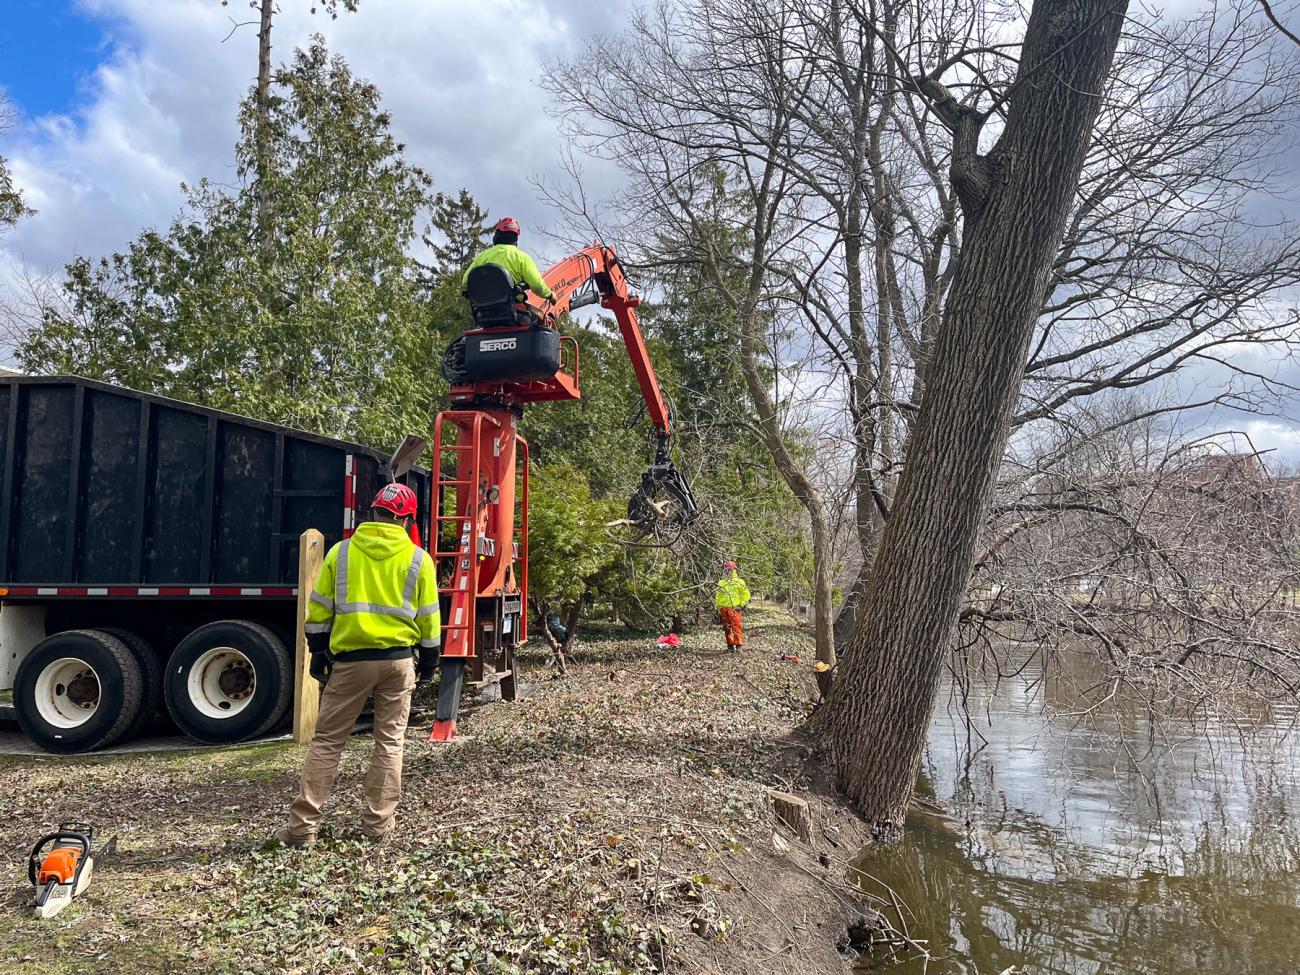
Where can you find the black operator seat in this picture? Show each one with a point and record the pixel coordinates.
(492, 294)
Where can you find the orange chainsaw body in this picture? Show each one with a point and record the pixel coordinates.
(59, 865)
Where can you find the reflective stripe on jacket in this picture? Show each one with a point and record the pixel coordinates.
(521, 267)
(732, 592)
(376, 590)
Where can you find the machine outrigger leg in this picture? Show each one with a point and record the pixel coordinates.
(481, 539)
(453, 674)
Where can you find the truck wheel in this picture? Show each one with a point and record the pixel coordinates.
(150, 671)
(78, 691)
(228, 681)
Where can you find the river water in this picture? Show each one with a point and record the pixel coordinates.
(1098, 846)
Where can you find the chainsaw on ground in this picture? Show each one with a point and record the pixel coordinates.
(60, 867)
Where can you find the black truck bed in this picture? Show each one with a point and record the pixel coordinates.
(105, 486)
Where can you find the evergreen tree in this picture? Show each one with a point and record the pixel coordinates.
(327, 325)
(12, 207)
(462, 231)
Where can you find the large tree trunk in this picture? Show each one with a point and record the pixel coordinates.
(847, 617)
(1015, 201)
(749, 324)
(874, 425)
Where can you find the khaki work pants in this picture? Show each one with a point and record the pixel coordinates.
(732, 625)
(391, 683)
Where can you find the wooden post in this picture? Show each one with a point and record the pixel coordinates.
(306, 691)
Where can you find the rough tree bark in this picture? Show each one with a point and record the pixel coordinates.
(1015, 201)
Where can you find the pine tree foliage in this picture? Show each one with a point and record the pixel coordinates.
(461, 228)
(12, 207)
(329, 328)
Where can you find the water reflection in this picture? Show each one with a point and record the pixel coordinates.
(1099, 846)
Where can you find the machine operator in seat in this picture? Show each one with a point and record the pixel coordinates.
(505, 251)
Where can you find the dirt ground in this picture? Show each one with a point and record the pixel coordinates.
(617, 820)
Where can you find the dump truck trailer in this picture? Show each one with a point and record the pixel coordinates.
(149, 559)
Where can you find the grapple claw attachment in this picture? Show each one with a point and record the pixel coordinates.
(661, 506)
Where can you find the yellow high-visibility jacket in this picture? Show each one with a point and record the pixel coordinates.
(521, 267)
(732, 592)
(376, 591)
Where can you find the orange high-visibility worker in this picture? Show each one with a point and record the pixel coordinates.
(731, 598)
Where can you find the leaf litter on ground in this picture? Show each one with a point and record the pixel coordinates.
(613, 821)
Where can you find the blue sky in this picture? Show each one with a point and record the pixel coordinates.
(48, 51)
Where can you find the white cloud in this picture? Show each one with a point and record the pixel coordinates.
(1277, 440)
(458, 78)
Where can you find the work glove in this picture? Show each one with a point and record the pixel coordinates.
(321, 664)
(427, 666)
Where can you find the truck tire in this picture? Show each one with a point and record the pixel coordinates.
(150, 672)
(78, 690)
(228, 681)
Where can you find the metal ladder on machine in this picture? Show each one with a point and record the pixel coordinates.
(519, 539)
(458, 629)
(519, 576)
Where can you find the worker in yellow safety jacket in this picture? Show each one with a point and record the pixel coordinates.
(373, 629)
(505, 252)
(731, 598)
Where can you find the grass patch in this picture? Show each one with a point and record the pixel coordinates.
(77, 942)
(265, 762)
(39, 956)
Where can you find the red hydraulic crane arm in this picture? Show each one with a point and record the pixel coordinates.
(599, 267)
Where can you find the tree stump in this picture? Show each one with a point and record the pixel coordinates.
(793, 813)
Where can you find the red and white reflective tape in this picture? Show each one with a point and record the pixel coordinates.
(134, 591)
(349, 495)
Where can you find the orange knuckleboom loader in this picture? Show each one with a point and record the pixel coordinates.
(513, 356)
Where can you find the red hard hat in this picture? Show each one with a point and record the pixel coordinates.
(728, 565)
(508, 225)
(397, 498)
